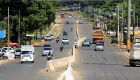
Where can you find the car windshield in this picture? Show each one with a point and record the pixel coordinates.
(99, 44)
(47, 48)
(47, 36)
(51, 35)
(18, 50)
(47, 45)
(65, 39)
(26, 52)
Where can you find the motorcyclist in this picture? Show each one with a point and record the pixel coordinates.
(49, 56)
(61, 47)
(57, 39)
(75, 44)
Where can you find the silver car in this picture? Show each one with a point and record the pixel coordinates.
(99, 47)
(46, 51)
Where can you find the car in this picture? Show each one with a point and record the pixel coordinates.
(17, 52)
(13, 45)
(99, 47)
(81, 22)
(86, 43)
(46, 51)
(3, 54)
(48, 38)
(114, 40)
(65, 41)
(47, 46)
(67, 22)
(65, 33)
(52, 36)
(10, 49)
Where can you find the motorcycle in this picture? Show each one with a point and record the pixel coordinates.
(49, 57)
(75, 46)
(57, 40)
(61, 48)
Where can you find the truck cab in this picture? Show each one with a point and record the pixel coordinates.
(27, 54)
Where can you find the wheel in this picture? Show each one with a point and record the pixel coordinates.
(21, 62)
(132, 65)
(102, 50)
(32, 62)
(94, 49)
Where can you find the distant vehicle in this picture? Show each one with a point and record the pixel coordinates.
(27, 54)
(65, 33)
(62, 15)
(114, 40)
(98, 37)
(52, 36)
(48, 38)
(67, 22)
(81, 22)
(86, 43)
(47, 46)
(17, 52)
(10, 49)
(14, 45)
(135, 56)
(65, 41)
(95, 27)
(98, 47)
(3, 54)
(46, 51)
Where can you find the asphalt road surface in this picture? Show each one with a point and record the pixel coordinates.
(31, 71)
(111, 64)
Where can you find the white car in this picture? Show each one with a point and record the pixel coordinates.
(52, 36)
(48, 38)
(10, 49)
(65, 41)
(46, 51)
(98, 47)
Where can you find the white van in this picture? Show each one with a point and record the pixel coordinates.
(27, 54)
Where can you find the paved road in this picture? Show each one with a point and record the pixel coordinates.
(17, 71)
(111, 64)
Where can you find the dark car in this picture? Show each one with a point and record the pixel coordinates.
(65, 33)
(47, 46)
(114, 40)
(67, 22)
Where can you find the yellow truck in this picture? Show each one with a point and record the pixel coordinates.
(98, 37)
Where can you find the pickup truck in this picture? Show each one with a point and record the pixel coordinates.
(135, 56)
(14, 45)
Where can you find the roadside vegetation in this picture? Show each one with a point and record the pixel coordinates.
(34, 16)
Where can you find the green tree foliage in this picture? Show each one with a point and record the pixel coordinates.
(34, 15)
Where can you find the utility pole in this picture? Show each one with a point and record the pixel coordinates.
(19, 30)
(137, 21)
(79, 6)
(118, 24)
(122, 28)
(8, 31)
(134, 23)
(128, 25)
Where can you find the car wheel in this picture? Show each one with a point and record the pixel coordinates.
(102, 50)
(32, 61)
(21, 62)
(132, 65)
(94, 49)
